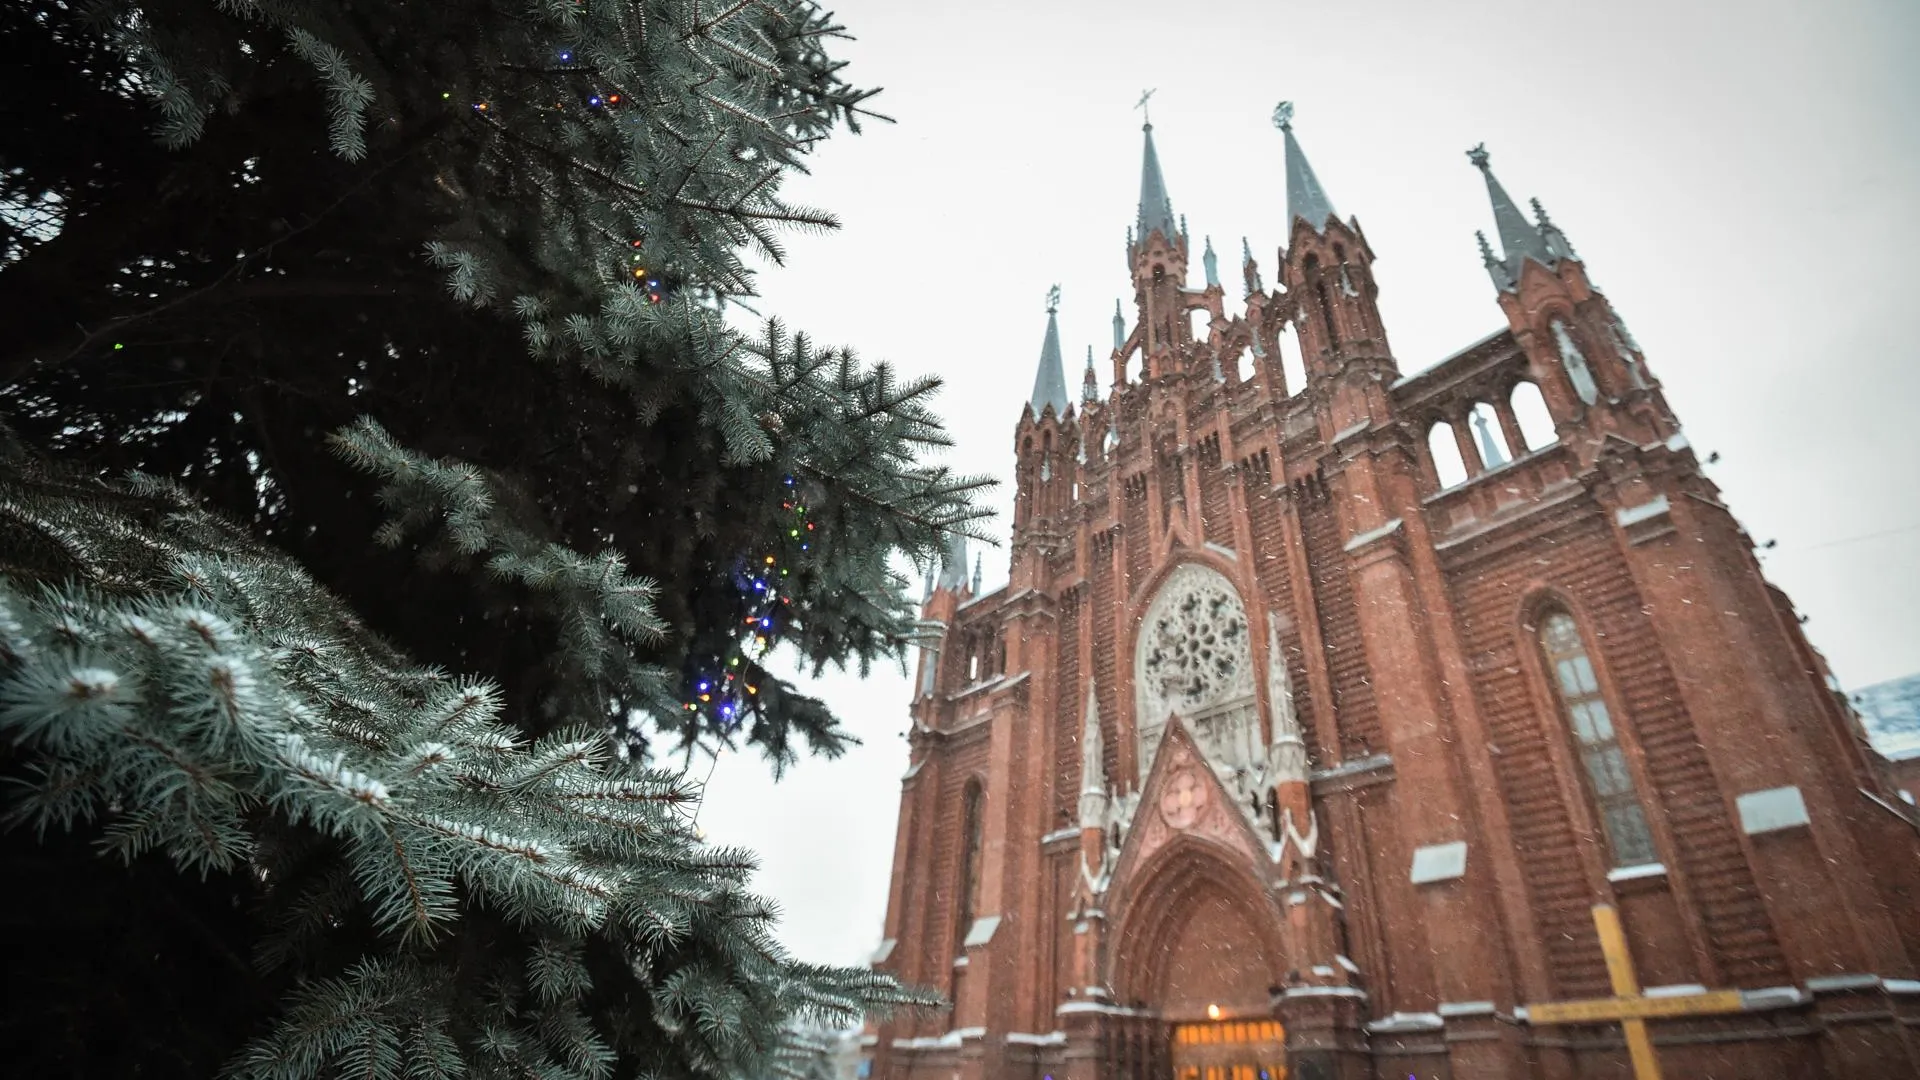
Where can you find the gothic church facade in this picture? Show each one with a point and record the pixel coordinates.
(1322, 711)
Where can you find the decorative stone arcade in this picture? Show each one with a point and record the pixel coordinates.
(1323, 710)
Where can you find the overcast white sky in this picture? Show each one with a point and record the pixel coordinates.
(1742, 178)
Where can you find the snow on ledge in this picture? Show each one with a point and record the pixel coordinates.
(1828, 983)
(1652, 508)
(1635, 873)
(1051, 1038)
(1773, 997)
(1673, 990)
(981, 931)
(1371, 535)
(948, 1041)
(1097, 1007)
(1401, 1021)
(1325, 991)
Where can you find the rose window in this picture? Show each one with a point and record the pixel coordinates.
(1194, 659)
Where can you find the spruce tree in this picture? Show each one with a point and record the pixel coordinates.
(392, 484)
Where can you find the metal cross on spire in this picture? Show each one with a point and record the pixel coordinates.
(1053, 299)
(1283, 116)
(1145, 97)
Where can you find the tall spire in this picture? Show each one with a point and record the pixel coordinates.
(976, 575)
(1050, 381)
(1119, 327)
(1305, 197)
(1156, 210)
(1089, 383)
(1212, 263)
(1518, 238)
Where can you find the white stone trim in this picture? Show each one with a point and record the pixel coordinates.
(948, 1041)
(1901, 986)
(1222, 550)
(1673, 990)
(961, 961)
(885, 950)
(1099, 1007)
(1772, 810)
(1773, 997)
(1450, 1009)
(1438, 862)
(1403, 1022)
(1324, 991)
(1349, 433)
(1826, 984)
(981, 931)
(1652, 508)
(1051, 1038)
(1058, 835)
(1352, 768)
(1368, 537)
(1636, 872)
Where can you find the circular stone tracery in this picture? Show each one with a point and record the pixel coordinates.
(1195, 658)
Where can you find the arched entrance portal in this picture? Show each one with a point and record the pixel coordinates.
(1200, 946)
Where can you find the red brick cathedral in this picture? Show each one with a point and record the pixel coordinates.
(1342, 723)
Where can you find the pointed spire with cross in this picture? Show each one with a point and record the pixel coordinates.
(1306, 199)
(1519, 239)
(1050, 381)
(1156, 210)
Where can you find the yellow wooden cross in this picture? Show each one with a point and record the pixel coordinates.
(1627, 1006)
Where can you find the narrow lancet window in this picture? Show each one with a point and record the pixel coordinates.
(969, 883)
(1608, 779)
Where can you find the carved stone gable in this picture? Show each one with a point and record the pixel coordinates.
(1183, 796)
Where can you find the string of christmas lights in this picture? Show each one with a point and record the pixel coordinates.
(723, 693)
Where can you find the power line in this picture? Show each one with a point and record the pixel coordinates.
(1849, 539)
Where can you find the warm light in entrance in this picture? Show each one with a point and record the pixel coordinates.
(1213, 1012)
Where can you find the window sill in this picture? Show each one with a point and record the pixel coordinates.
(1635, 873)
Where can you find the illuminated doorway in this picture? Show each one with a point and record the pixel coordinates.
(1230, 1050)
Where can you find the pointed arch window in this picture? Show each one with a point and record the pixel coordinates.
(1608, 780)
(972, 821)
